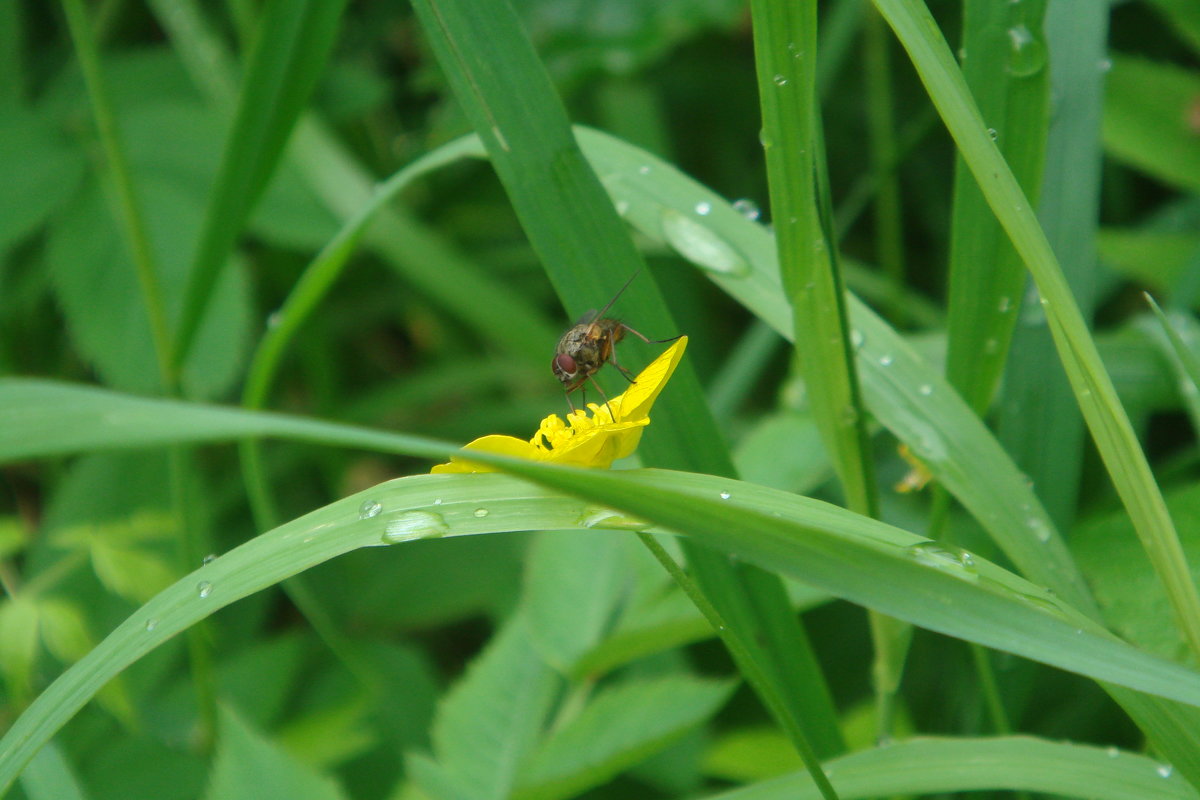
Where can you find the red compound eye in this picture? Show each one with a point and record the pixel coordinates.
(564, 364)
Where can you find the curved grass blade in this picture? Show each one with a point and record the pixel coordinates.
(289, 52)
(1015, 763)
(851, 556)
(1094, 391)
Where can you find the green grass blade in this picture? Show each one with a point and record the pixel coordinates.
(319, 276)
(785, 55)
(901, 390)
(1184, 359)
(1018, 763)
(854, 557)
(287, 57)
(1005, 67)
(133, 219)
(785, 45)
(885, 155)
(425, 261)
(1039, 422)
(1106, 418)
(507, 94)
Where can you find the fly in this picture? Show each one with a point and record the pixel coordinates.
(587, 346)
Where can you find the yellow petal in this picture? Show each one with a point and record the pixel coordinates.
(599, 446)
(635, 403)
(495, 443)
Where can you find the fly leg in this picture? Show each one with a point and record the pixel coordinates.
(649, 341)
(611, 416)
(613, 357)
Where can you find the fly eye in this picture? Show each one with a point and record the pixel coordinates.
(564, 363)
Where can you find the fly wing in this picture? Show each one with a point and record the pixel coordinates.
(588, 317)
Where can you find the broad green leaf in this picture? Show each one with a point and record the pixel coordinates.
(489, 722)
(64, 630)
(573, 587)
(1132, 600)
(41, 171)
(1155, 258)
(750, 754)
(96, 286)
(18, 644)
(621, 726)
(331, 735)
(1018, 763)
(1149, 121)
(248, 762)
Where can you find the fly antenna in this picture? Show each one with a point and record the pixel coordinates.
(608, 305)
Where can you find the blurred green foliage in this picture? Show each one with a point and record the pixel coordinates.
(442, 324)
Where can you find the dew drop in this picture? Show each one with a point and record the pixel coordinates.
(644, 169)
(437, 502)
(780, 80)
(701, 246)
(943, 557)
(725, 495)
(204, 589)
(273, 320)
(857, 340)
(993, 134)
(747, 208)
(1104, 65)
(1111, 751)
(415, 525)
(1040, 529)
(1027, 53)
(208, 559)
(886, 360)
(925, 389)
(704, 208)
(596, 517)
(622, 207)
(369, 509)
(1005, 304)
(1164, 770)
(481, 512)
(991, 346)
(151, 624)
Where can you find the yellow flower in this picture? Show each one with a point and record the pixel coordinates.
(585, 440)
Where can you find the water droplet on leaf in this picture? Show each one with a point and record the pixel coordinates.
(702, 246)
(414, 525)
(747, 208)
